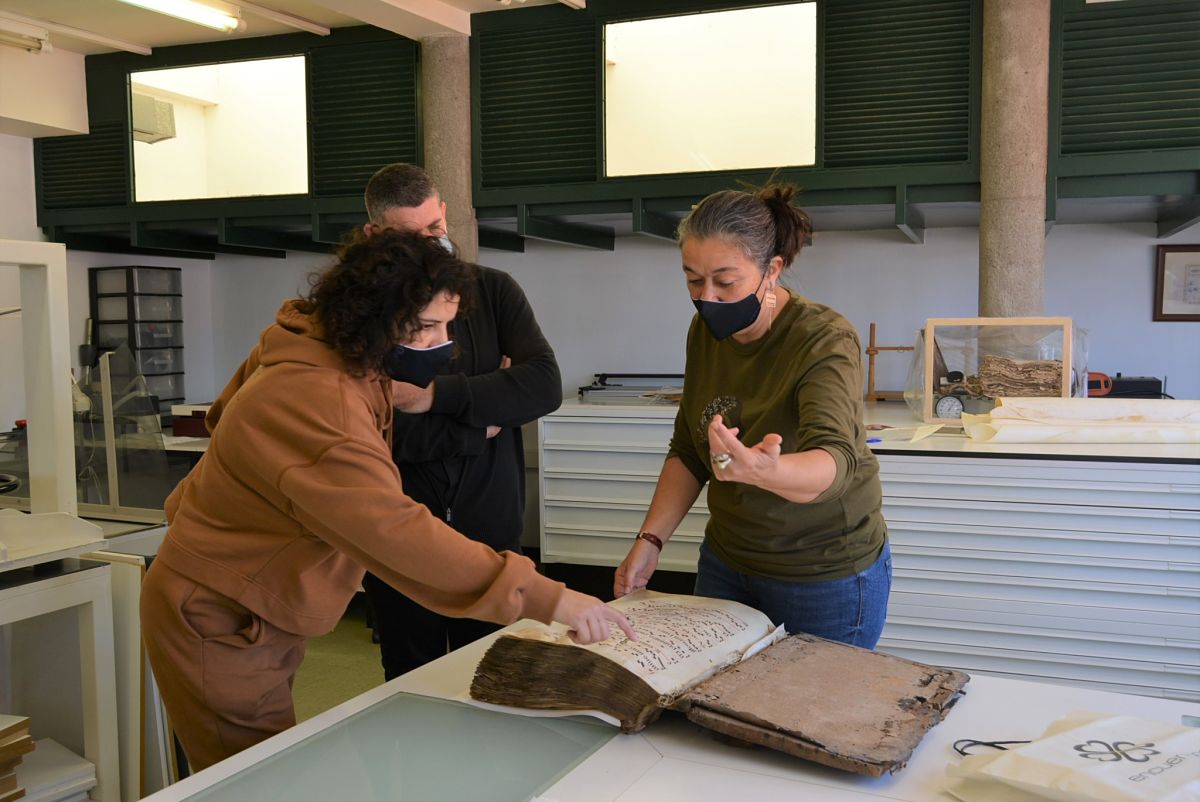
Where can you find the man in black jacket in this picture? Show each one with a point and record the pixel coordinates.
(457, 442)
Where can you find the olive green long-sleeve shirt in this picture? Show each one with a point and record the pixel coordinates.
(802, 381)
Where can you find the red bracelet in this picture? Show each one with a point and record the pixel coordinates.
(651, 538)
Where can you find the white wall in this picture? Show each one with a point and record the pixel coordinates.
(247, 292)
(42, 94)
(628, 311)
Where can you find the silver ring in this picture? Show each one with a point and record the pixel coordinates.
(722, 461)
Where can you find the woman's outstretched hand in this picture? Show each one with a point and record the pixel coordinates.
(734, 462)
(588, 619)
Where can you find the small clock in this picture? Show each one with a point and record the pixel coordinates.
(948, 406)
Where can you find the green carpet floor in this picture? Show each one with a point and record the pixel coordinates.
(338, 666)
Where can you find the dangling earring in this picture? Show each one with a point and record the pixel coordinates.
(769, 302)
(769, 298)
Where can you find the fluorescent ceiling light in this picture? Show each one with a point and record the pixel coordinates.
(73, 33)
(24, 36)
(222, 16)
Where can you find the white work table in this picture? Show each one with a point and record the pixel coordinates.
(408, 739)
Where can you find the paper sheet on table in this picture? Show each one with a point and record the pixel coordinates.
(1086, 420)
(904, 434)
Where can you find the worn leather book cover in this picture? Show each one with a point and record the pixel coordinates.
(834, 704)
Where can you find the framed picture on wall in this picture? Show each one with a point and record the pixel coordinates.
(1177, 283)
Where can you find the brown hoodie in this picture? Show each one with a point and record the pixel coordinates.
(297, 495)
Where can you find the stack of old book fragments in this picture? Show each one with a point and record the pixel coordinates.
(15, 743)
(1001, 377)
(727, 668)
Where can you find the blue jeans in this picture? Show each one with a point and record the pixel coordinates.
(851, 610)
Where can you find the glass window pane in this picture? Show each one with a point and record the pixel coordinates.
(717, 91)
(220, 130)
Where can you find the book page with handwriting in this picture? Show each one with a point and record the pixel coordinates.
(682, 640)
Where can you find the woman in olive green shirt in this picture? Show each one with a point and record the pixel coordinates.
(771, 420)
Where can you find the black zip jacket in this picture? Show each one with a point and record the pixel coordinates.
(446, 461)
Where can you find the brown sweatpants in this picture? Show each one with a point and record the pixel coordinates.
(225, 674)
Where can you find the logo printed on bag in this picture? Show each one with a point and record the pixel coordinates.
(1167, 765)
(1117, 750)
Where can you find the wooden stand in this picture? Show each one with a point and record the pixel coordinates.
(873, 349)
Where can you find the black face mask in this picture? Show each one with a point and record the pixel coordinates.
(417, 365)
(725, 318)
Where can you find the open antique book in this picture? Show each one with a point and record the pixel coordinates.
(728, 669)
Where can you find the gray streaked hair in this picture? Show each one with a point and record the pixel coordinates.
(762, 224)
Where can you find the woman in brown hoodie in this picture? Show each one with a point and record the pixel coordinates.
(297, 495)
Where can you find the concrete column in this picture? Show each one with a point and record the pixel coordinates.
(1012, 154)
(446, 119)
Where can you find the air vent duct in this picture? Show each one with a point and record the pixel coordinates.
(153, 119)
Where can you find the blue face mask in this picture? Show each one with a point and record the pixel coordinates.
(725, 318)
(417, 366)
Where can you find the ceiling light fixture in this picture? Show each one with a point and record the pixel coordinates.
(210, 13)
(24, 36)
(75, 33)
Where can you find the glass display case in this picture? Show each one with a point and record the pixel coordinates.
(965, 364)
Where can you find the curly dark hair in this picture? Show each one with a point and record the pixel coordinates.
(375, 290)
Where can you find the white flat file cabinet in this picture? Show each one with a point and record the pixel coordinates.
(1074, 564)
(597, 467)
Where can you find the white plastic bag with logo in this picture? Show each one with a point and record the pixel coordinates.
(1088, 757)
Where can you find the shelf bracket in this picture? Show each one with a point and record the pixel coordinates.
(231, 235)
(1180, 219)
(909, 219)
(652, 224)
(500, 240)
(141, 236)
(601, 238)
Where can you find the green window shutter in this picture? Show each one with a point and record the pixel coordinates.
(897, 82)
(77, 172)
(362, 112)
(538, 101)
(1130, 77)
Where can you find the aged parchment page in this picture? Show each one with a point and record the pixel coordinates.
(682, 640)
